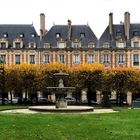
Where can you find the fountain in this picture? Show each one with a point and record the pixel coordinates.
(61, 103)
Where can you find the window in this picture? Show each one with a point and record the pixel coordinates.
(46, 45)
(76, 44)
(46, 58)
(61, 58)
(118, 33)
(90, 58)
(57, 35)
(136, 59)
(106, 59)
(17, 59)
(135, 33)
(2, 45)
(61, 45)
(32, 59)
(91, 45)
(82, 35)
(120, 44)
(135, 44)
(5, 35)
(121, 58)
(17, 45)
(106, 45)
(3, 58)
(33, 35)
(32, 45)
(76, 59)
(21, 35)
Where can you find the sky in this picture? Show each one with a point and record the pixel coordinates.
(80, 12)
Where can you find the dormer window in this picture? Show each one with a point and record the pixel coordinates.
(3, 45)
(17, 45)
(82, 35)
(120, 44)
(33, 35)
(5, 35)
(61, 45)
(106, 45)
(76, 45)
(91, 45)
(21, 35)
(57, 35)
(32, 45)
(46, 45)
(118, 33)
(135, 33)
(135, 44)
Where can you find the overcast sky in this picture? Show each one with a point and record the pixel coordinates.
(93, 12)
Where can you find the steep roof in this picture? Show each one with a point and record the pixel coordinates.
(105, 37)
(14, 30)
(76, 31)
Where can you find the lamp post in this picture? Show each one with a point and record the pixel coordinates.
(3, 80)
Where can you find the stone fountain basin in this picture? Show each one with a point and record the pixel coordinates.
(68, 109)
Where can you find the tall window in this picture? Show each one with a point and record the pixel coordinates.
(136, 59)
(106, 59)
(46, 58)
(17, 59)
(32, 59)
(61, 45)
(121, 58)
(90, 58)
(3, 45)
(61, 58)
(3, 58)
(17, 45)
(76, 59)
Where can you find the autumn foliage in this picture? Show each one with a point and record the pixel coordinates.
(32, 78)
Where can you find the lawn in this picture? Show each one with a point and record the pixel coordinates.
(123, 125)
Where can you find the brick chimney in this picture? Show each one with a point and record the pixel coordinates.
(42, 25)
(69, 30)
(111, 24)
(127, 24)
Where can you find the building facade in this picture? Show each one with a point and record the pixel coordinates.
(70, 44)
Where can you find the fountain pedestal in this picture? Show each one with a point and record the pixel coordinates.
(62, 103)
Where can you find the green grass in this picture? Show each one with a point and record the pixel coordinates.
(7, 107)
(124, 125)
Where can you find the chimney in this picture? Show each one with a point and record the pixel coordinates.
(69, 30)
(111, 24)
(127, 24)
(42, 25)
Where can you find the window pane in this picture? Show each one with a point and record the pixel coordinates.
(32, 59)
(61, 58)
(17, 45)
(2, 45)
(136, 44)
(121, 58)
(106, 58)
(90, 58)
(61, 45)
(136, 59)
(76, 58)
(46, 58)
(17, 59)
(3, 59)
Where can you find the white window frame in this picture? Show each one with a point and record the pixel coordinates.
(90, 58)
(121, 58)
(60, 45)
(106, 58)
(76, 59)
(61, 58)
(19, 58)
(47, 58)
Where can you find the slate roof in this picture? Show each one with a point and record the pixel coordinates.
(105, 37)
(76, 30)
(14, 30)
